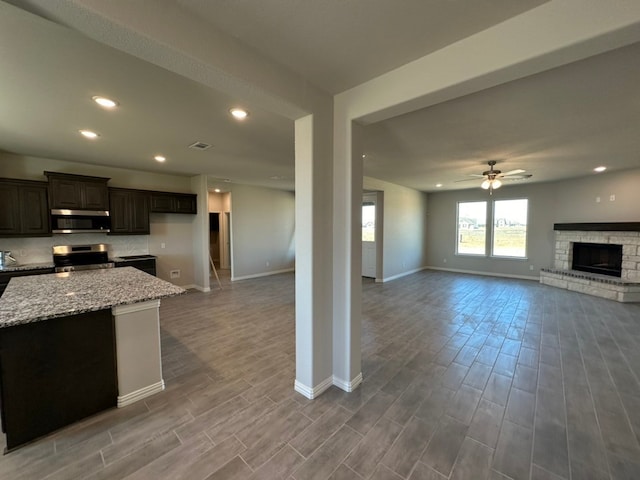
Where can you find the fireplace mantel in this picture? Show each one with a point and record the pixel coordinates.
(599, 227)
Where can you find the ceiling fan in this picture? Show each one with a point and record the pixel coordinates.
(493, 178)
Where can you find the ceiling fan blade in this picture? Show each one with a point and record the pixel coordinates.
(476, 178)
(517, 177)
(514, 172)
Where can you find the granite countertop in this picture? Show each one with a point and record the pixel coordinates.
(26, 266)
(41, 297)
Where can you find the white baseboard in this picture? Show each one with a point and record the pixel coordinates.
(264, 274)
(348, 386)
(129, 398)
(195, 287)
(486, 274)
(312, 392)
(400, 275)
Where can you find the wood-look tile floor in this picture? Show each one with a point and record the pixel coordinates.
(465, 377)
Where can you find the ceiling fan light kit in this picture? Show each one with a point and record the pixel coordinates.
(491, 184)
(492, 177)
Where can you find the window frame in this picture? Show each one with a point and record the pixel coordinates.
(493, 226)
(490, 206)
(457, 243)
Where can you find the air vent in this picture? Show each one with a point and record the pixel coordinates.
(200, 146)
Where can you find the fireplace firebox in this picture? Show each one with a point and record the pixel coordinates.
(603, 258)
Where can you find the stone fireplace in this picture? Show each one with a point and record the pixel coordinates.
(600, 259)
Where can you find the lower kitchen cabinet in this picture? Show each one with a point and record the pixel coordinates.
(54, 373)
(147, 264)
(6, 276)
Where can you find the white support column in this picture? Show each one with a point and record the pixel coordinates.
(313, 256)
(347, 253)
(200, 231)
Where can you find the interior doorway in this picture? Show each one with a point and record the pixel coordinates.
(220, 229)
(225, 240)
(369, 250)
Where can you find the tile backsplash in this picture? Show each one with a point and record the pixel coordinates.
(38, 249)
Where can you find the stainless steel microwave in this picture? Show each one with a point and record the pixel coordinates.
(80, 221)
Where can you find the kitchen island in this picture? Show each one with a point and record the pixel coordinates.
(73, 344)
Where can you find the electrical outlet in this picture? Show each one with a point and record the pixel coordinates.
(162, 245)
(612, 198)
(22, 253)
(267, 264)
(597, 199)
(530, 267)
(174, 273)
(444, 260)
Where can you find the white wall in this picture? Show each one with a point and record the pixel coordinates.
(404, 212)
(577, 198)
(175, 230)
(566, 201)
(262, 231)
(32, 168)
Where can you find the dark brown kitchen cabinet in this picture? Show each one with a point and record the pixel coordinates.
(54, 373)
(129, 210)
(166, 202)
(25, 212)
(146, 263)
(77, 192)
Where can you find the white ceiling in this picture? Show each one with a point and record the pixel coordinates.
(338, 44)
(556, 124)
(50, 73)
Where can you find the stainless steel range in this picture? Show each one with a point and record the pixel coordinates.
(70, 258)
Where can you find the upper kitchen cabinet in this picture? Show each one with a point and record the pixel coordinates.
(165, 202)
(25, 212)
(77, 192)
(129, 210)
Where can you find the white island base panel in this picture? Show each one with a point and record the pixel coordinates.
(138, 358)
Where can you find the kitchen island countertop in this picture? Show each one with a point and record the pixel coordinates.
(41, 297)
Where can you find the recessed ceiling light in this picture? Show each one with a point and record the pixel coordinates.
(217, 190)
(438, 185)
(600, 169)
(88, 134)
(104, 101)
(160, 158)
(239, 113)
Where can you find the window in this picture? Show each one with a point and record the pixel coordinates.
(508, 233)
(472, 228)
(510, 228)
(368, 222)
